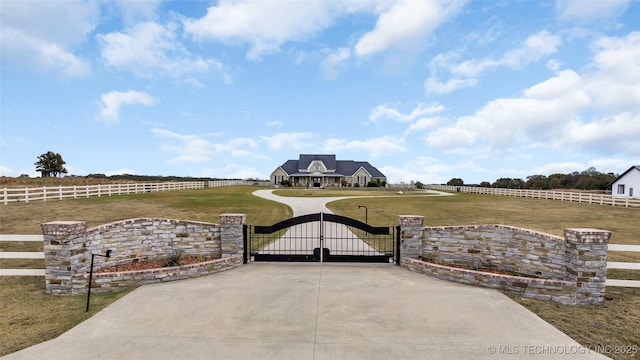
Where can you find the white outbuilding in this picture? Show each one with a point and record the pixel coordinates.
(627, 184)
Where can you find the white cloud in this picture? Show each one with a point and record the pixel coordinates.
(557, 168)
(433, 85)
(135, 11)
(375, 147)
(5, 171)
(195, 149)
(186, 148)
(615, 165)
(114, 100)
(385, 112)
(465, 74)
(580, 12)
(264, 25)
(597, 110)
(540, 114)
(427, 170)
(405, 24)
(43, 34)
(617, 134)
(240, 147)
(150, 49)
(275, 123)
(614, 79)
(425, 124)
(232, 171)
(295, 141)
(334, 62)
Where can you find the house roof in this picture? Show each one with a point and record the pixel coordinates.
(336, 167)
(637, 167)
(306, 159)
(349, 167)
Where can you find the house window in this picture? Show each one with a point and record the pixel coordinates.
(316, 167)
(621, 189)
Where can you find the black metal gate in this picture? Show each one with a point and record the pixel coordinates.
(340, 238)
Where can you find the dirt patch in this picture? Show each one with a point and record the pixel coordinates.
(137, 265)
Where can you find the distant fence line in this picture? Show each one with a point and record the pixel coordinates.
(9, 195)
(583, 197)
(401, 186)
(84, 191)
(220, 183)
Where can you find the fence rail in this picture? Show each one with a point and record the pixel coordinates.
(583, 197)
(8, 195)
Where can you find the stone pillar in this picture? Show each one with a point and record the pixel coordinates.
(64, 254)
(231, 234)
(587, 263)
(411, 227)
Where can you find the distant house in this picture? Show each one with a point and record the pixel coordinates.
(318, 170)
(627, 184)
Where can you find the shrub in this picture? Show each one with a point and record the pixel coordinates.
(173, 260)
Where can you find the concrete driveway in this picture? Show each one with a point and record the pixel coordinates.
(311, 311)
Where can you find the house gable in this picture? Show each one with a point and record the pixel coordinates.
(627, 184)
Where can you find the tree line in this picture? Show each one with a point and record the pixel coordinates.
(590, 179)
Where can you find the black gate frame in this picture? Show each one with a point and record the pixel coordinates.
(326, 255)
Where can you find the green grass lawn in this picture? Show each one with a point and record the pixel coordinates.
(29, 316)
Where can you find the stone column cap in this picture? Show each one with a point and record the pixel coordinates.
(587, 230)
(587, 235)
(232, 219)
(64, 227)
(411, 220)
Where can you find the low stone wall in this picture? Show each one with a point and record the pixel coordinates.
(69, 247)
(570, 270)
(150, 239)
(500, 247)
(116, 281)
(542, 289)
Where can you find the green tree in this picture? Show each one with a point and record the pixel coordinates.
(455, 182)
(50, 164)
(508, 183)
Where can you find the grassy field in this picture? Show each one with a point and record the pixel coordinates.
(30, 317)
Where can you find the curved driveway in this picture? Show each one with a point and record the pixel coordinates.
(311, 205)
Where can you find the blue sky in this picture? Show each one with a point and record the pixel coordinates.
(424, 90)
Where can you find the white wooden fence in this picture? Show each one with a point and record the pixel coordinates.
(221, 183)
(584, 197)
(8, 195)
